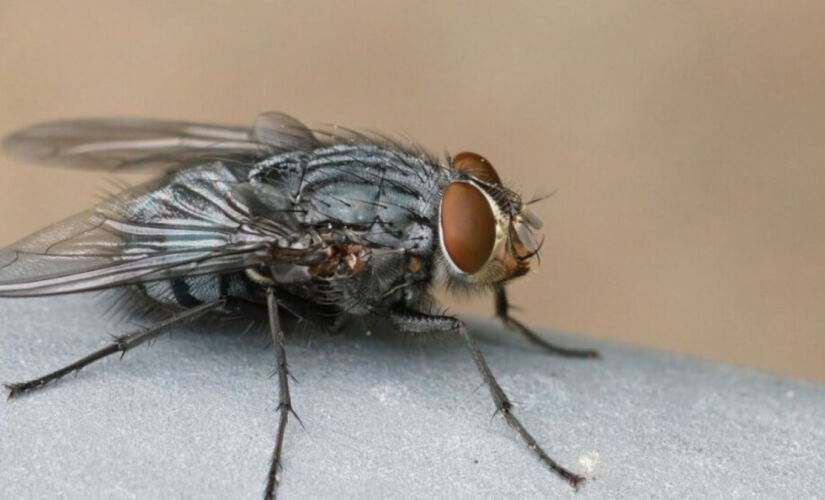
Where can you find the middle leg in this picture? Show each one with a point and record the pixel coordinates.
(284, 400)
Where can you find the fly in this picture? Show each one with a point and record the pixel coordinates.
(329, 224)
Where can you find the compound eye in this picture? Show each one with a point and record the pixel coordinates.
(468, 226)
(477, 166)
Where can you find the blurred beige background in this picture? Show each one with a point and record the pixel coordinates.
(684, 141)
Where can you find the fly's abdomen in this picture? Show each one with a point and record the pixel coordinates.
(193, 291)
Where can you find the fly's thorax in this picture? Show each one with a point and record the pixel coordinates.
(485, 232)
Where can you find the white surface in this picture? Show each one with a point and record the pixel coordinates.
(193, 416)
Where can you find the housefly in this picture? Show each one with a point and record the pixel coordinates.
(330, 222)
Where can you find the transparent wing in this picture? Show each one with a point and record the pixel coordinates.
(116, 144)
(282, 132)
(195, 221)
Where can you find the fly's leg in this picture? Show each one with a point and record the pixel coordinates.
(120, 344)
(502, 312)
(419, 323)
(284, 401)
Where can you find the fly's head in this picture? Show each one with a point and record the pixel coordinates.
(485, 231)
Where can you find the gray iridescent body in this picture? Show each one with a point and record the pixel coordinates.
(378, 205)
(346, 221)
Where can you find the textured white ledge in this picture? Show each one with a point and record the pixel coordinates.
(193, 416)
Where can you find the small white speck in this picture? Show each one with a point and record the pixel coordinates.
(588, 463)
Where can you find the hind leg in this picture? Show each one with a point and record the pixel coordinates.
(120, 344)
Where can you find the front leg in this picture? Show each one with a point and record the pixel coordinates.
(502, 312)
(415, 322)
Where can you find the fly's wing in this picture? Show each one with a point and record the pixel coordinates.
(283, 133)
(195, 221)
(119, 144)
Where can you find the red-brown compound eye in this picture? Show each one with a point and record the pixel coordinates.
(477, 166)
(468, 226)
